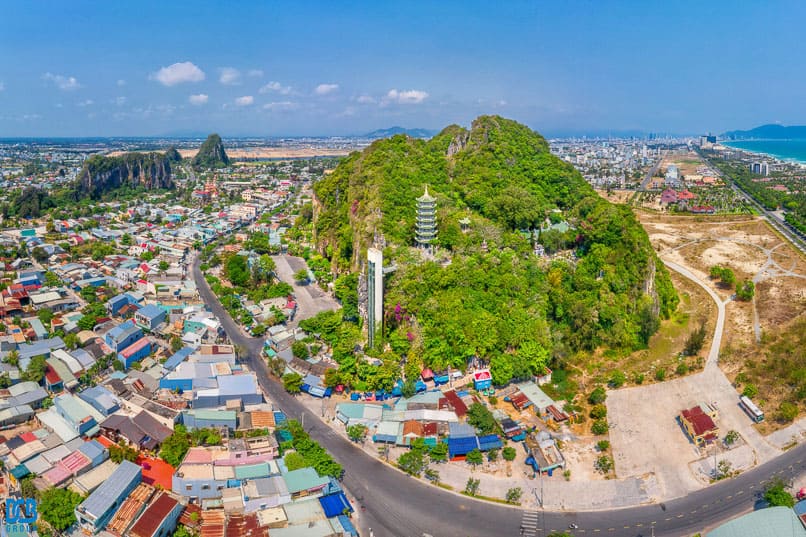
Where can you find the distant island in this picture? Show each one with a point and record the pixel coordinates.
(391, 131)
(769, 132)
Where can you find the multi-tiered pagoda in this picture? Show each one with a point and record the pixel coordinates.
(426, 227)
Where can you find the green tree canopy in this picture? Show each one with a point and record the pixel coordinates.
(57, 506)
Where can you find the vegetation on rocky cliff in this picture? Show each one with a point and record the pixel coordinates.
(486, 293)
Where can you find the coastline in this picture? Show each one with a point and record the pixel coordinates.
(784, 158)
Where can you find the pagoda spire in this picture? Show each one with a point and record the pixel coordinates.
(426, 225)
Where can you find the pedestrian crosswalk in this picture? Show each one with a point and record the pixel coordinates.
(529, 524)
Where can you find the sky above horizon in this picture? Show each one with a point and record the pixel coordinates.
(260, 68)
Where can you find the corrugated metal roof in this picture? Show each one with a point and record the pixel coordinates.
(154, 515)
(770, 522)
(252, 471)
(110, 490)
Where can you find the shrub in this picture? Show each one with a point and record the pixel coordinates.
(787, 411)
(599, 427)
(597, 396)
(731, 438)
(598, 412)
(617, 379)
(474, 458)
(750, 390)
(509, 453)
(660, 375)
(604, 464)
(514, 495)
(777, 496)
(682, 368)
(695, 341)
(603, 445)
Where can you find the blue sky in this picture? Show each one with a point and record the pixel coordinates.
(294, 68)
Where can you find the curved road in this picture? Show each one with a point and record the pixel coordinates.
(400, 506)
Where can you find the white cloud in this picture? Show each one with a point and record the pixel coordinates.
(255, 72)
(405, 97)
(229, 76)
(281, 105)
(347, 112)
(198, 100)
(120, 101)
(275, 86)
(326, 89)
(366, 99)
(178, 73)
(65, 83)
(88, 102)
(246, 100)
(121, 82)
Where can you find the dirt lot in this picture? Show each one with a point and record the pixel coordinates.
(646, 438)
(686, 161)
(752, 250)
(783, 299)
(616, 196)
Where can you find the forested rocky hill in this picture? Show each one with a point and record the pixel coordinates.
(485, 292)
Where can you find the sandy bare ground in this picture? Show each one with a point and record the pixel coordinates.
(753, 251)
(262, 153)
(274, 153)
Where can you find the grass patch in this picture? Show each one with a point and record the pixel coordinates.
(777, 368)
(488, 498)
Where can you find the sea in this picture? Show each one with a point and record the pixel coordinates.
(789, 150)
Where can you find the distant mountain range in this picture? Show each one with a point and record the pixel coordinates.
(770, 132)
(391, 131)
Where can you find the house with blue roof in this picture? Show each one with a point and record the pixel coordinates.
(114, 304)
(101, 399)
(94, 513)
(90, 282)
(230, 387)
(150, 316)
(177, 358)
(123, 336)
(94, 451)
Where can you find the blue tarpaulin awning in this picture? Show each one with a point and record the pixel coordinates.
(347, 525)
(462, 446)
(335, 504)
(491, 441)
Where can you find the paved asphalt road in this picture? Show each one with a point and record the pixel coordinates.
(651, 172)
(399, 506)
(795, 237)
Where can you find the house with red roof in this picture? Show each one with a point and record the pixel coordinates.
(53, 382)
(699, 423)
(668, 197)
(159, 518)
